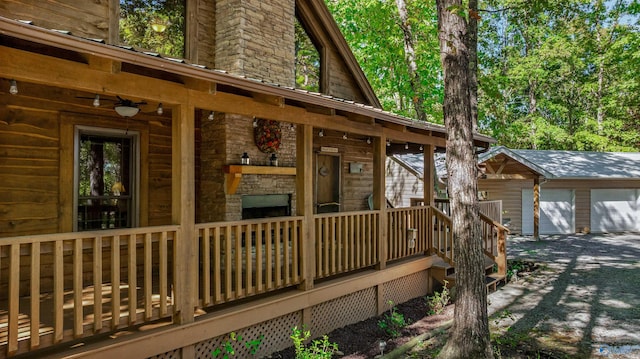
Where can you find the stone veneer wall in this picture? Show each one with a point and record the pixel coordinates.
(255, 38)
(223, 141)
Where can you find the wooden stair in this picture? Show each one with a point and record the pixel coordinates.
(443, 272)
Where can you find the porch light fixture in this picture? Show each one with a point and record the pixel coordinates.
(344, 137)
(368, 140)
(321, 133)
(126, 111)
(13, 88)
(210, 118)
(421, 148)
(255, 122)
(388, 143)
(406, 146)
(96, 101)
(160, 110)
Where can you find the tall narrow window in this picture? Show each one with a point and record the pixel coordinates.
(154, 25)
(105, 180)
(307, 61)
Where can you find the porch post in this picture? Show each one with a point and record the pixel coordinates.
(428, 175)
(183, 212)
(536, 207)
(304, 202)
(379, 195)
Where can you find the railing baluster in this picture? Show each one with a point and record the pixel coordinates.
(115, 282)
(269, 256)
(238, 262)
(287, 254)
(259, 261)
(163, 263)
(35, 296)
(148, 277)
(295, 241)
(58, 291)
(132, 280)
(228, 257)
(14, 297)
(206, 266)
(217, 266)
(97, 284)
(278, 255)
(77, 288)
(248, 243)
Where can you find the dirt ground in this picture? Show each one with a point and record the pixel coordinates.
(571, 296)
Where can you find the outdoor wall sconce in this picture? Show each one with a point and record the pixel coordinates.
(13, 87)
(244, 159)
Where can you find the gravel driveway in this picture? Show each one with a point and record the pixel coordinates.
(584, 300)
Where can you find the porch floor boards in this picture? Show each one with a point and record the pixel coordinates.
(47, 315)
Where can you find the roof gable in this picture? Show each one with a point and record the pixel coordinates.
(573, 164)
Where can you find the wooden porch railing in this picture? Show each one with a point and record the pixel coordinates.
(491, 209)
(346, 241)
(61, 287)
(407, 232)
(442, 235)
(494, 242)
(246, 258)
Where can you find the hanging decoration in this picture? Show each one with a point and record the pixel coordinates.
(267, 135)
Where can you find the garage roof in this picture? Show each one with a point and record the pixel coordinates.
(573, 164)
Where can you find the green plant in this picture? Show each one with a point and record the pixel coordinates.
(228, 350)
(439, 300)
(318, 349)
(392, 322)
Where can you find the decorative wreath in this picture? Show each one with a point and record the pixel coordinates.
(268, 135)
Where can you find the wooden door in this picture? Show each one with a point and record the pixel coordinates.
(327, 196)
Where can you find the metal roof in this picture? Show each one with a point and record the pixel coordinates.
(557, 164)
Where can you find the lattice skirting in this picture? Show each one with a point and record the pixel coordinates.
(324, 318)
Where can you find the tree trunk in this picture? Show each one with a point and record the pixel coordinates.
(472, 45)
(470, 334)
(410, 58)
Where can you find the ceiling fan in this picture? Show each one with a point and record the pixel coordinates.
(123, 107)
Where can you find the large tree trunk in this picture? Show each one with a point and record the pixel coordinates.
(470, 335)
(410, 58)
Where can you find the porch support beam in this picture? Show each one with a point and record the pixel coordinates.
(429, 175)
(536, 208)
(183, 211)
(304, 201)
(379, 195)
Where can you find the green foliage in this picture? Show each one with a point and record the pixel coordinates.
(228, 347)
(439, 300)
(318, 349)
(137, 18)
(393, 322)
(307, 61)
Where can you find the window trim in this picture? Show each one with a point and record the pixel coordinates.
(135, 138)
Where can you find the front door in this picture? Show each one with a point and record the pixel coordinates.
(327, 183)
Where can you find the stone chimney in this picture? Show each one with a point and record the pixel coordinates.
(255, 38)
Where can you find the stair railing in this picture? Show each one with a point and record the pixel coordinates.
(494, 242)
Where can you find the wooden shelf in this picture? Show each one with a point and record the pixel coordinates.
(235, 172)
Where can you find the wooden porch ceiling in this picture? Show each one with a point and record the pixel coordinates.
(83, 68)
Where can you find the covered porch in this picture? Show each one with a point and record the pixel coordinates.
(181, 254)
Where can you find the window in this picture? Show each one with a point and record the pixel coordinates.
(307, 60)
(105, 179)
(154, 25)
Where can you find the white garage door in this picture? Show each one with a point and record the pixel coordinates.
(615, 210)
(557, 211)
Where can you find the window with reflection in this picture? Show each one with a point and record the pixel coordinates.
(307, 61)
(154, 25)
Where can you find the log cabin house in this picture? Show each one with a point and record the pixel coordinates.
(131, 224)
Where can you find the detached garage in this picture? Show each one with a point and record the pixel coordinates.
(561, 192)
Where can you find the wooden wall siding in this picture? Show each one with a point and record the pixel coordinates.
(402, 185)
(35, 199)
(356, 187)
(29, 160)
(510, 192)
(83, 18)
(341, 81)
